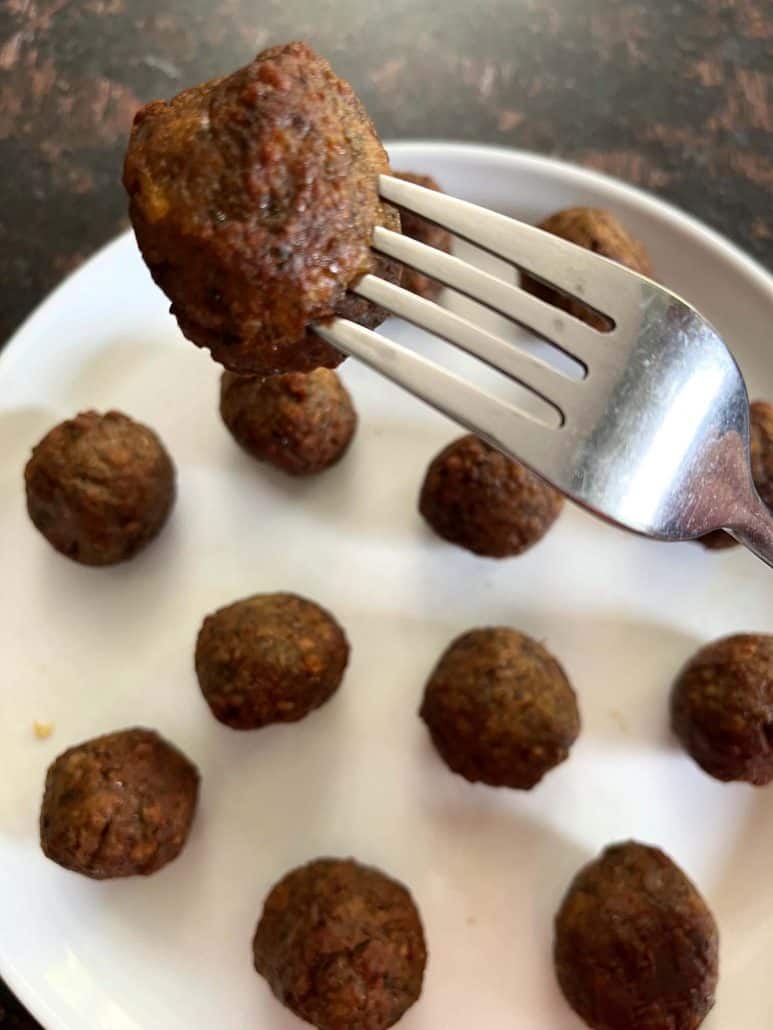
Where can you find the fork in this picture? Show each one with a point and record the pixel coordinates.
(654, 437)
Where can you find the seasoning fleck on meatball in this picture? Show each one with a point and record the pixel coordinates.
(478, 498)
(118, 805)
(596, 230)
(269, 658)
(254, 198)
(341, 945)
(302, 422)
(99, 487)
(420, 229)
(722, 708)
(500, 709)
(636, 947)
(761, 448)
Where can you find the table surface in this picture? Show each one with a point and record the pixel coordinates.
(673, 95)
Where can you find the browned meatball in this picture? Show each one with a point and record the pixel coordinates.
(596, 230)
(99, 487)
(761, 447)
(425, 232)
(302, 422)
(478, 498)
(636, 947)
(342, 946)
(254, 198)
(500, 709)
(269, 658)
(118, 805)
(722, 708)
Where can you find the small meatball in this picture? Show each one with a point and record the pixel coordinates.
(722, 708)
(341, 945)
(594, 230)
(761, 448)
(254, 198)
(636, 947)
(118, 805)
(269, 658)
(500, 709)
(425, 232)
(478, 498)
(302, 422)
(99, 487)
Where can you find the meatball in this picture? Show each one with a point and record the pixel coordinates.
(269, 658)
(118, 805)
(722, 708)
(761, 448)
(478, 498)
(341, 945)
(500, 709)
(99, 487)
(254, 198)
(302, 422)
(596, 230)
(425, 232)
(636, 947)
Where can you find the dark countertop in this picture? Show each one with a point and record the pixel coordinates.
(674, 95)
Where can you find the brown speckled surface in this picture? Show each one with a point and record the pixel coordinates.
(674, 95)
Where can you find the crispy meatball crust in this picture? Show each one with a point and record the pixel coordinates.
(254, 198)
(636, 947)
(500, 709)
(596, 230)
(99, 487)
(425, 232)
(118, 805)
(301, 422)
(341, 945)
(722, 708)
(478, 498)
(269, 658)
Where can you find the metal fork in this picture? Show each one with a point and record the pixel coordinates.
(654, 437)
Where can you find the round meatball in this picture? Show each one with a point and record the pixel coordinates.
(636, 947)
(761, 450)
(254, 198)
(302, 422)
(500, 709)
(596, 230)
(269, 658)
(478, 498)
(425, 232)
(118, 805)
(341, 945)
(722, 708)
(99, 487)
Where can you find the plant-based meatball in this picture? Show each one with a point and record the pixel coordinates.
(99, 487)
(269, 658)
(478, 498)
(722, 708)
(302, 422)
(596, 230)
(342, 946)
(636, 947)
(254, 198)
(118, 805)
(761, 449)
(500, 709)
(425, 232)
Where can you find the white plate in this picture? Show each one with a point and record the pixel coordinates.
(95, 650)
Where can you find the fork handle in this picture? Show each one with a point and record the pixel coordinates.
(755, 530)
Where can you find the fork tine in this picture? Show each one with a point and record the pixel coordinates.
(548, 383)
(572, 269)
(569, 334)
(483, 414)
